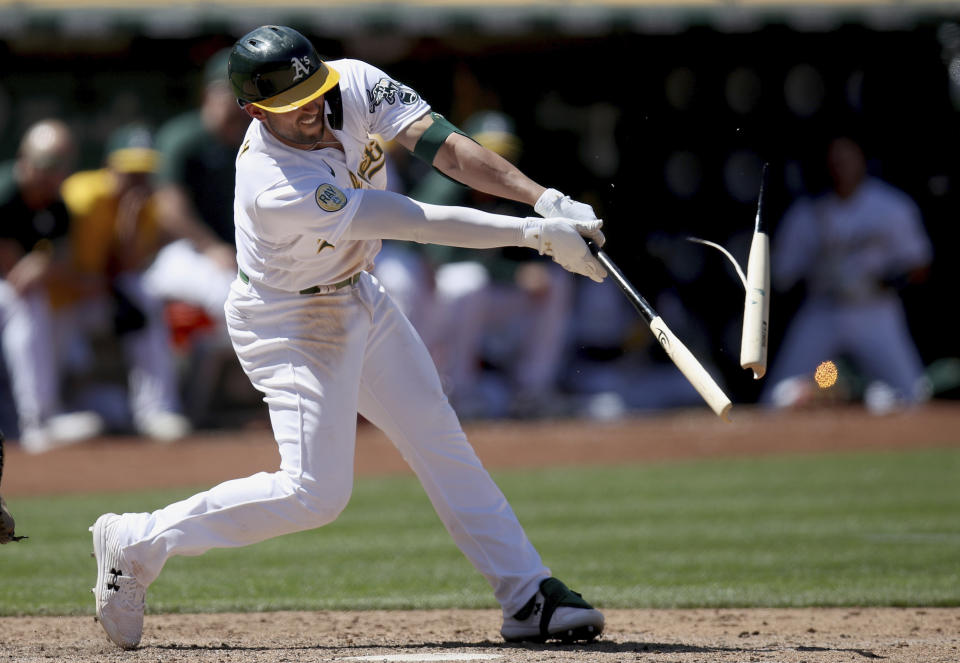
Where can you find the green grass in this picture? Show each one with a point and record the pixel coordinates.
(837, 529)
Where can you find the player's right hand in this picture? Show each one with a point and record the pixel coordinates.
(562, 240)
(553, 204)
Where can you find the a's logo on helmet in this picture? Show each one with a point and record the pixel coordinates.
(301, 67)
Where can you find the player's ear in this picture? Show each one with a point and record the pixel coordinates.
(254, 111)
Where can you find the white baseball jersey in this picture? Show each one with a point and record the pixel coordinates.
(844, 247)
(292, 206)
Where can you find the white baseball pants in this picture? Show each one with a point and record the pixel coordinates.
(874, 333)
(319, 360)
(26, 336)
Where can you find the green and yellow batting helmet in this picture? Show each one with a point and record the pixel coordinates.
(278, 69)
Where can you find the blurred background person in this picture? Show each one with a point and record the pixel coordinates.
(114, 236)
(851, 248)
(34, 250)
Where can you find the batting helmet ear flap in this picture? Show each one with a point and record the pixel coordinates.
(335, 100)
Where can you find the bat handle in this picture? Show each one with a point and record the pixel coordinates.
(642, 306)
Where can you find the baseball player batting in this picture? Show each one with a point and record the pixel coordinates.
(319, 336)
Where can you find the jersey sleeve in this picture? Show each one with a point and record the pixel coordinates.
(388, 105)
(911, 245)
(305, 211)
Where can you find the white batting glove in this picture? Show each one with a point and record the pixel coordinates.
(553, 204)
(562, 240)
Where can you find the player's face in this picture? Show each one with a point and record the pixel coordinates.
(301, 128)
(847, 165)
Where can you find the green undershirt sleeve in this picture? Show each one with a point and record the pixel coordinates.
(433, 138)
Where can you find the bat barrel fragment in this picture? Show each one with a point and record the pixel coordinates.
(756, 308)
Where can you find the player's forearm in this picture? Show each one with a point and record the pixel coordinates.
(386, 215)
(178, 220)
(479, 168)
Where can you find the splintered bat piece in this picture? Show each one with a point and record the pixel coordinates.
(756, 283)
(756, 303)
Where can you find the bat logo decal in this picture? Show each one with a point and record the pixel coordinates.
(664, 340)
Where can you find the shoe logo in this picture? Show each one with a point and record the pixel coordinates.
(113, 585)
(537, 607)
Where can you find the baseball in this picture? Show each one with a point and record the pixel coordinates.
(826, 374)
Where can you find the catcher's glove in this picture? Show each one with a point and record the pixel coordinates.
(7, 525)
(6, 520)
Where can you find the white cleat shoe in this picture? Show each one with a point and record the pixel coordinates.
(164, 426)
(120, 597)
(61, 430)
(554, 613)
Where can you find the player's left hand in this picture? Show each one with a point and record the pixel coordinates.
(553, 203)
(6, 524)
(562, 240)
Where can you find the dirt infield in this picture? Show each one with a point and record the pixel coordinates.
(911, 635)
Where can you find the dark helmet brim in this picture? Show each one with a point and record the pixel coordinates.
(301, 94)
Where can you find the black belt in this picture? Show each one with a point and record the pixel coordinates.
(312, 290)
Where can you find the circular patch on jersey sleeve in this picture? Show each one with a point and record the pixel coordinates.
(330, 198)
